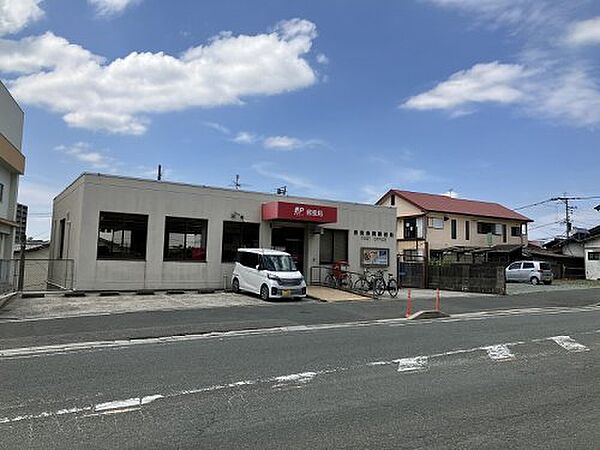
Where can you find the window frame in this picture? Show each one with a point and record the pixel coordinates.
(333, 232)
(596, 255)
(467, 230)
(187, 223)
(241, 236)
(453, 229)
(143, 218)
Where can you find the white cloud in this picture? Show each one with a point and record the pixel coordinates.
(288, 143)
(217, 127)
(283, 143)
(245, 137)
(15, 15)
(571, 95)
(117, 96)
(268, 170)
(483, 83)
(585, 32)
(85, 153)
(322, 59)
(111, 7)
(518, 14)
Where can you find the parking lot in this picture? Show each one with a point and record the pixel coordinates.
(557, 285)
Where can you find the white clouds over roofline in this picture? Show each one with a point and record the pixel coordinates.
(117, 96)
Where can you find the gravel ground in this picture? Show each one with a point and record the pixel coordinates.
(53, 306)
(557, 285)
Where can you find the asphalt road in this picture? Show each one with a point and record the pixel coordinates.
(14, 333)
(480, 381)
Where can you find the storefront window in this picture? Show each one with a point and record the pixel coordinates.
(238, 235)
(185, 239)
(334, 246)
(122, 236)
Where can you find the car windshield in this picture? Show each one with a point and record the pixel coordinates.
(279, 263)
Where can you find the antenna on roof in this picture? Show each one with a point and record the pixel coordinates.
(237, 184)
(159, 174)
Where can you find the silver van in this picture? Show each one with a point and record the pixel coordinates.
(534, 272)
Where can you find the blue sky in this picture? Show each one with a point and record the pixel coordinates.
(495, 99)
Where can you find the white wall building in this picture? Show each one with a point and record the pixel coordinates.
(12, 165)
(592, 258)
(128, 234)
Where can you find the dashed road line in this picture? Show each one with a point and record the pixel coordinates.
(411, 365)
(408, 365)
(499, 353)
(568, 343)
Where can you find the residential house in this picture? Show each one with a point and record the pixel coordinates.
(592, 258)
(12, 165)
(438, 226)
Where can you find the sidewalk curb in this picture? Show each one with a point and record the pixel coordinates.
(6, 299)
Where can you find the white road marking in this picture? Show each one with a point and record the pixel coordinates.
(27, 352)
(418, 364)
(568, 343)
(499, 352)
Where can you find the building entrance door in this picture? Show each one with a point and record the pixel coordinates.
(290, 240)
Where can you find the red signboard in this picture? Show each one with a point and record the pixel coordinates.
(300, 212)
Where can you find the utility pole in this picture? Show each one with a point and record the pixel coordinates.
(159, 174)
(568, 211)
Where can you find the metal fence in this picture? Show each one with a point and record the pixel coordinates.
(483, 278)
(41, 274)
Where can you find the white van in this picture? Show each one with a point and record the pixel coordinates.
(268, 273)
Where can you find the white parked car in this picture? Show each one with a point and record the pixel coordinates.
(268, 273)
(534, 272)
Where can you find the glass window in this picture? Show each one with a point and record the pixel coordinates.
(185, 239)
(333, 246)
(238, 235)
(248, 259)
(528, 265)
(486, 228)
(436, 222)
(453, 227)
(545, 266)
(61, 238)
(410, 228)
(1, 192)
(122, 236)
(467, 230)
(393, 200)
(514, 266)
(504, 233)
(278, 263)
(594, 256)
(515, 231)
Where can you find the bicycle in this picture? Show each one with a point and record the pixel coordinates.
(338, 277)
(371, 281)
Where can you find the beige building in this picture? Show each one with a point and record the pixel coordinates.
(430, 225)
(12, 165)
(129, 234)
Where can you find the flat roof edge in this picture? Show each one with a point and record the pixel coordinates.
(217, 188)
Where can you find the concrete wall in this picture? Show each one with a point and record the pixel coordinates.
(11, 129)
(82, 202)
(592, 268)
(11, 125)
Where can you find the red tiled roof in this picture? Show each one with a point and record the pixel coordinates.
(443, 203)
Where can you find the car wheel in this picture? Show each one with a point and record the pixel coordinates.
(534, 280)
(264, 292)
(235, 285)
